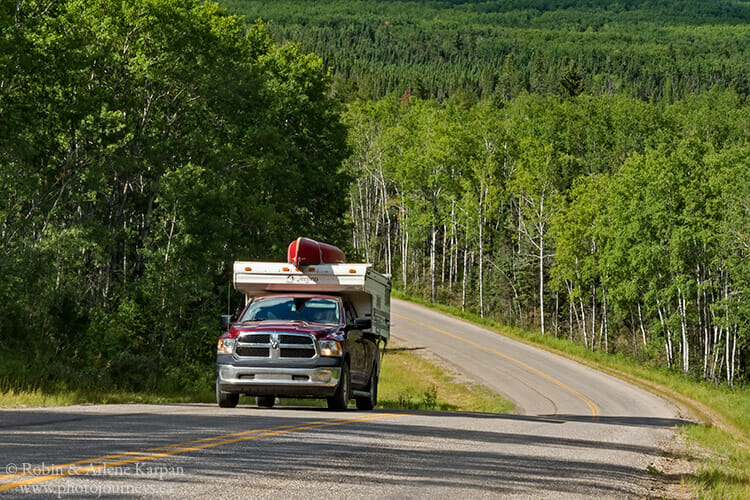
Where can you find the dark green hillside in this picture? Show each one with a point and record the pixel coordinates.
(648, 49)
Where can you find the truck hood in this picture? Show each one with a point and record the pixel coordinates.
(317, 329)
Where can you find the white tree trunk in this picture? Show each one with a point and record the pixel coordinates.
(583, 324)
(481, 254)
(445, 246)
(388, 242)
(363, 221)
(541, 282)
(604, 320)
(683, 329)
(667, 336)
(463, 278)
(432, 264)
(404, 252)
(593, 315)
(640, 321)
(557, 313)
(733, 358)
(716, 338)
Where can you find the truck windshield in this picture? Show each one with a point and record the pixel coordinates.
(313, 310)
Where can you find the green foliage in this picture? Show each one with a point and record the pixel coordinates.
(499, 49)
(143, 147)
(611, 221)
(146, 145)
(571, 81)
(427, 400)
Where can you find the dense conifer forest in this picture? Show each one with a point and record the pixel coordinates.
(653, 50)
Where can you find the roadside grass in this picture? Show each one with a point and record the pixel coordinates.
(722, 439)
(61, 395)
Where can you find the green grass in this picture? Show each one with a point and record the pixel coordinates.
(60, 395)
(725, 473)
(723, 437)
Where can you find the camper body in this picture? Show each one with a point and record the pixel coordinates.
(307, 331)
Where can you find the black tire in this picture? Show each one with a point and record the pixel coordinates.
(340, 399)
(369, 402)
(265, 401)
(226, 399)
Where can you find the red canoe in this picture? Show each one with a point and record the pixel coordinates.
(306, 252)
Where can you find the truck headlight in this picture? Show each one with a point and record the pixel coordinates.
(330, 348)
(225, 346)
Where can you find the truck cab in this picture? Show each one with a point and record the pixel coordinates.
(309, 331)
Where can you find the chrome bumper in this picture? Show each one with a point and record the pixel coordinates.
(281, 381)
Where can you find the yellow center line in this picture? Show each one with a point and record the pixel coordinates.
(594, 408)
(156, 448)
(65, 470)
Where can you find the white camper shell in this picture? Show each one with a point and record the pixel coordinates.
(368, 290)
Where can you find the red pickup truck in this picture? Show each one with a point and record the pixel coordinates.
(309, 331)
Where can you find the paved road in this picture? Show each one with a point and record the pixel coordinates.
(579, 434)
(539, 383)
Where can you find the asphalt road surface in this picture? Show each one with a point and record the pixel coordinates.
(575, 434)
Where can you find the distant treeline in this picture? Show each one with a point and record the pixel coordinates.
(620, 224)
(652, 50)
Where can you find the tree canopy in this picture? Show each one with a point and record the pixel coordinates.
(610, 221)
(145, 145)
(580, 167)
(649, 49)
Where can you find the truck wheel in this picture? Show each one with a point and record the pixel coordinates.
(226, 399)
(340, 399)
(265, 401)
(369, 402)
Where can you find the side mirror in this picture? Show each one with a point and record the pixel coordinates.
(226, 321)
(363, 323)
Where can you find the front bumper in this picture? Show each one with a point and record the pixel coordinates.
(282, 381)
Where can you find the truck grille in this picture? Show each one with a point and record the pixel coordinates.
(255, 352)
(276, 345)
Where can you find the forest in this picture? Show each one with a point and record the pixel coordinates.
(650, 49)
(144, 146)
(578, 168)
(616, 223)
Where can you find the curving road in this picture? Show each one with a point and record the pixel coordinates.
(538, 382)
(577, 434)
(585, 415)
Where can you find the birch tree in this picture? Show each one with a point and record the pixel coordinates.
(533, 182)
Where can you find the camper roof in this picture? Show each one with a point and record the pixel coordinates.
(256, 278)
